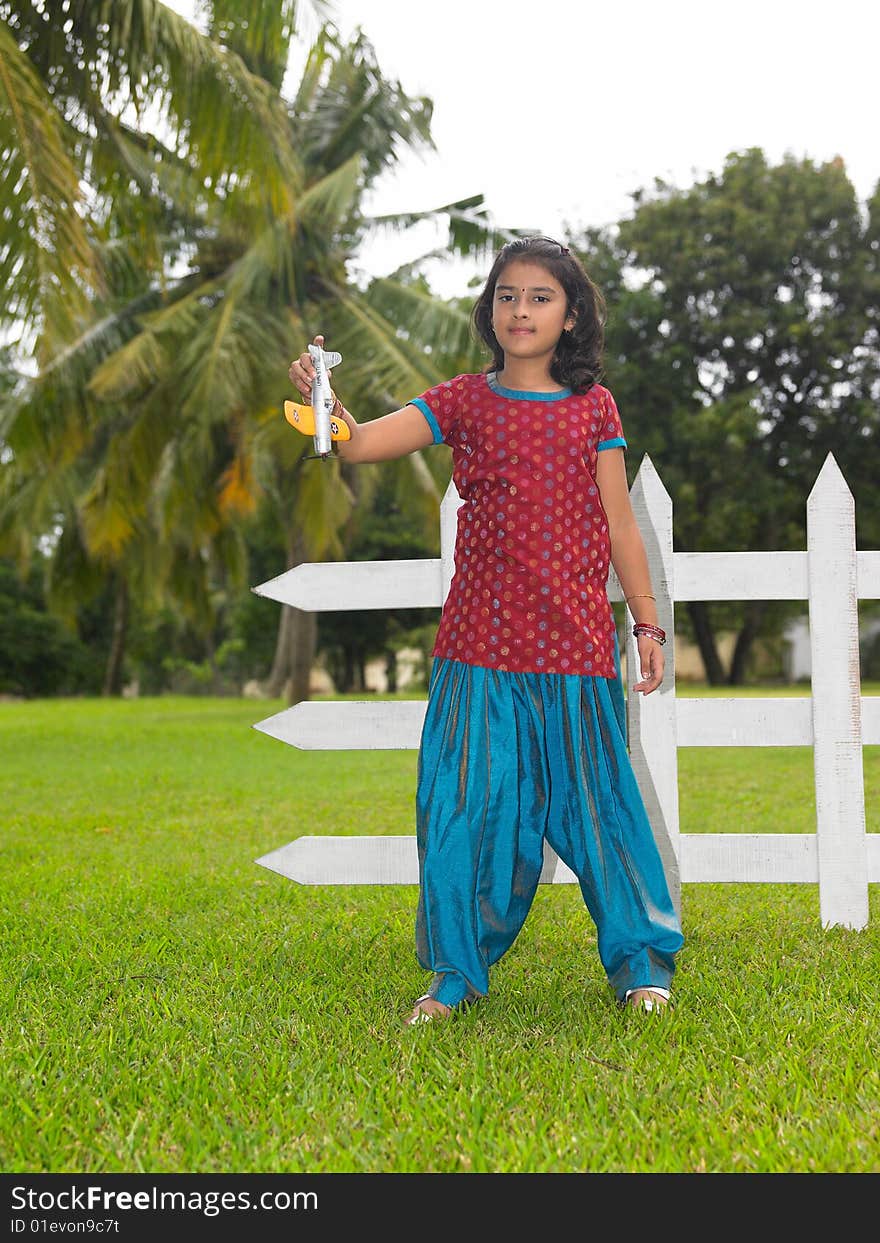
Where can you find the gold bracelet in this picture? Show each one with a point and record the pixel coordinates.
(640, 595)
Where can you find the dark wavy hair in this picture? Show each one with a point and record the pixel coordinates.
(577, 363)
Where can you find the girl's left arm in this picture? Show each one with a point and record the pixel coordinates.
(630, 561)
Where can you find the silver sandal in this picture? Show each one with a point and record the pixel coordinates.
(646, 1003)
(421, 1016)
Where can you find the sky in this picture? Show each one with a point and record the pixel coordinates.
(557, 110)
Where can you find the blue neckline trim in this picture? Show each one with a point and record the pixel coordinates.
(524, 394)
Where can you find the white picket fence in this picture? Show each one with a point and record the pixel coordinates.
(835, 720)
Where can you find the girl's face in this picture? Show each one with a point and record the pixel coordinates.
(529, 310)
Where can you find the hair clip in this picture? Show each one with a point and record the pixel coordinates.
(519, 242)
(563, 250)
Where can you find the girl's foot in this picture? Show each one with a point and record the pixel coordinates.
(649, 1000)
(425, 1010)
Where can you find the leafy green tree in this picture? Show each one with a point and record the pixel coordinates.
(39, 654)
(96, 212)
(220, 228)
(743, 347)
(113, 114)
(263, 284)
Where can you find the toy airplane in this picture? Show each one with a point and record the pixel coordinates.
(315, 420)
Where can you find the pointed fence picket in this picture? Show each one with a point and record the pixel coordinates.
(835, 720)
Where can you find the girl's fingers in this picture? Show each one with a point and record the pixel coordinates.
(301, 371)
(651, 665)
(299, 377)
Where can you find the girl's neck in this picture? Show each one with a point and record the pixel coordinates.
(527, 376)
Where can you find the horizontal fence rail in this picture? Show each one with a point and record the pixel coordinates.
(315, 586)
(743, 857)
(396, 725)
(835, 720)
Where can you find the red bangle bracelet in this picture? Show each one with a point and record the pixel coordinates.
(653, 632)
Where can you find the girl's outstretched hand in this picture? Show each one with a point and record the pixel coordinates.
(651, 664)
(301, 372)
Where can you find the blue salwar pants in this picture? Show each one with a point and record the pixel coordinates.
(506, 761)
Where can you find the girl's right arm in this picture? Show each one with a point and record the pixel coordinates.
(392, 436)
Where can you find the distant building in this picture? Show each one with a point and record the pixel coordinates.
(796, 646)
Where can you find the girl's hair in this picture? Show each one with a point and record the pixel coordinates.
(577, 363)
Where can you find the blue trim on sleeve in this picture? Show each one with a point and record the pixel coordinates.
(617, 443)
(429, 415)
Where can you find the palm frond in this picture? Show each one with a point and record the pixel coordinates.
(260, 31)
(171, 196)
(140, 55)
(71, 366)
(230, 364)
(444, 328)
(46, 258)
(49, 420)
(350, 107)
(224, 115)
(107, 515)
(393, 371)
(238, 492)
(184, 497)
(323, 502)
(471, 231)
(136, 365)
(29, 506)
(331, 200)
(72, 575)
(266, 272)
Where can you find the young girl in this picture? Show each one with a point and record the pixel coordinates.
(524, 738)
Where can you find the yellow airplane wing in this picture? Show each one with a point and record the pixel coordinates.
(303, 419)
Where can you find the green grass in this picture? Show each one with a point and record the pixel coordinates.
(170, 1006)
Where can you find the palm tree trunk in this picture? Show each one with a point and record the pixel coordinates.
(116, 655)
(295, 645)
(754, 614)
(304, 637)
(391, 669)
(705, 638)
(278, 673)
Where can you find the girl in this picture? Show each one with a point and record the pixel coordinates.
(524, 734)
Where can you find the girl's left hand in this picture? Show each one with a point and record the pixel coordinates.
(651, 664)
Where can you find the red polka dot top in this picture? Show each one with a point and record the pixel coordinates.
(532, 551)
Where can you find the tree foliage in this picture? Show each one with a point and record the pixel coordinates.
(222, 219)
(743, 347)
(178, 219)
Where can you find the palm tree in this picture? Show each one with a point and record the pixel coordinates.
(170, 293)
(95, 211)
(261, 285)
(84, 91)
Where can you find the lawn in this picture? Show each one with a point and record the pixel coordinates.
(170, 1006)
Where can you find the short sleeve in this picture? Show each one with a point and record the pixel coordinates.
(611, 433)
(441, 405)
